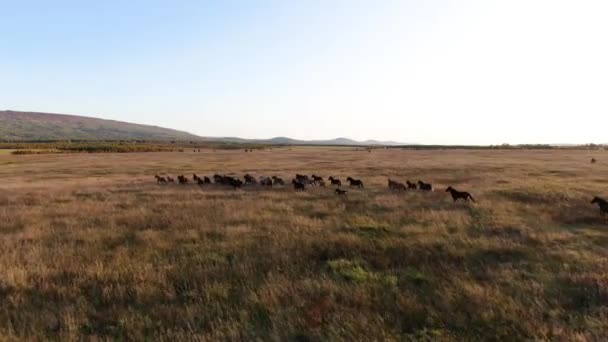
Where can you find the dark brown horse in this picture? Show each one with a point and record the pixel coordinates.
(394, 185)
(278, 181)
(160, 180)
(298, 186)
(456, 195)
(425, 186)
(355, 182)
(334, 181)
(602, 204)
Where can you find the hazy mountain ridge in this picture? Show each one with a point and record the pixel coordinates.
(15, 125)
(31, 126)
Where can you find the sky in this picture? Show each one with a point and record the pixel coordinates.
(424, 71)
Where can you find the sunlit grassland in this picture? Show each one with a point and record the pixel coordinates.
(90, 246)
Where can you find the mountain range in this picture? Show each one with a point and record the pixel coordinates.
(34, 126)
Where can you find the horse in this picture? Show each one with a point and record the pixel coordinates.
(411, 185)
(217, 178)
(340, 192)
(249, 179)
(394, 185)
(316, 178)
(194, 177)
(355, 182)
(302, 178)
(160, 180)
(334, 181)
(206, 180)
(265, 181)
(170, 180)
(277, 180)
(456, 195)
(182, 180)
(602, 204)
(425, 186)
(297, 185)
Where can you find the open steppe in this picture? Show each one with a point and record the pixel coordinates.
(91, 246)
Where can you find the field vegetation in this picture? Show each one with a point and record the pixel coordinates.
(92, 247)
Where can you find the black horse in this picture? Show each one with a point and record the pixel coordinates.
(425, 186)
(297, 185)
(355, 182)
(411, 185)
(602, 204)
(456, 195)
(278, 181)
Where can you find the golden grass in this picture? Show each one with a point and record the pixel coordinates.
(91, 247)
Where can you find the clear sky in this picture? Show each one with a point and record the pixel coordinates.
(427, 71)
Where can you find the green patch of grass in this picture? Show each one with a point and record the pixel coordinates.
(356, 273)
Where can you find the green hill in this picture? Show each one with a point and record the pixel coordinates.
(29, 126)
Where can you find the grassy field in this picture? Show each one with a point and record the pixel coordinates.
(91, 247)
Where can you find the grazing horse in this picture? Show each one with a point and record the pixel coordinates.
(160, 180)
(425, 186)
(334, 181)
(602, 204)
(456, 195)
(341, 192)
(249, 179)
(266, 181)
(355, 182)
(298, 186)
(278, 181)
(411, 185)
(394, 185)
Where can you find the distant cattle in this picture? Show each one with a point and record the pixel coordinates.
(456, 195)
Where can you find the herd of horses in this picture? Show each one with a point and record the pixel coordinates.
(301, 182)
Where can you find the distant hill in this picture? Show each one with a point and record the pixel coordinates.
(31, 126)
(290, 141)
(43, 126)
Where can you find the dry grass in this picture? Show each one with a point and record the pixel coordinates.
(91, 247)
